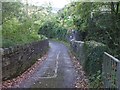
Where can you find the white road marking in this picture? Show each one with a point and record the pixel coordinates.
(56, 68)
(48, 77)
(58, 55)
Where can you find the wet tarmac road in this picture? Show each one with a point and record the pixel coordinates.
(57, 70)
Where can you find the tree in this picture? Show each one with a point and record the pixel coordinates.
(10, 10)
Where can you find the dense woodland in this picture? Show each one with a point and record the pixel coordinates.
(23, 23)
(95, 21)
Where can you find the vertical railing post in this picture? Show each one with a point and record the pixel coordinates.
(103, 70)
(111, 71)
(118, 75)
(0, 44)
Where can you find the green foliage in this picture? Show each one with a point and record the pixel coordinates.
(65, 16)
(10, 10)
(53, 30)
(94, 54)
(96, 80)
(102, 30)
(93, 61)
(13, 34)
(18, 26)
(101, 22)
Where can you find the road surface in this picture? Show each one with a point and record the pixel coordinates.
(56, 71)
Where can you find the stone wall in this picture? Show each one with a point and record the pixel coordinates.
(15, 60)
(78, 49)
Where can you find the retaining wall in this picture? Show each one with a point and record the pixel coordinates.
(15, 60)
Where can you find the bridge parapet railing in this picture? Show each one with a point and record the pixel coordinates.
(110, 65)
(78, 48)
(111, 71)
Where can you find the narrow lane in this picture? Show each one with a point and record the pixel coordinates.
(57, 70)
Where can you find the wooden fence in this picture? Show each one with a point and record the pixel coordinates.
(111, 71)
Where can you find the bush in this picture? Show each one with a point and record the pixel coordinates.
(7, 42)
(94, 56)
(102, 28)
(16, 33)
(93, 63)
(96, 80)
(52, 29)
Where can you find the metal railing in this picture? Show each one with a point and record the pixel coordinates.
(78, 48)
(110, 65)
(111, 71)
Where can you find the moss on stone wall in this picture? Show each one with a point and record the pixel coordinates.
(15, 60)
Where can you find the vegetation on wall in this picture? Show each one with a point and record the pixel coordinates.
(93, 61)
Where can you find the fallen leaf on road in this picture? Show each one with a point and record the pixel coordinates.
(81, 80)
(16, 81)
